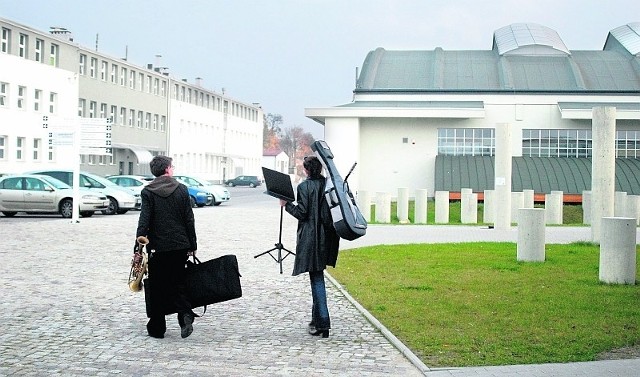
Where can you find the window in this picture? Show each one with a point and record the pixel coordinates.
(53, 55)
(155, 122)
(132, 115)
(53, 103)
(103, 110)
(37, 143)
(113, 114)
(4, 42)
(147, 84)
(123, 116)
(163, 88)
(39, 47)
(163, 122)
(93, 66)
(22, 93)
(3, 143)
(466, 141)
(556, 143)
(123, 76)
(132, 79)
(92, 109)
(83, 64)
(147, 121)
(156, 86)
(628, 144)
(4, 94)
(82, 107)
(37, 99)
(23, 44)
(139, 119)
(114, 74)
(103, 71)
(20, 141)
(140, 81)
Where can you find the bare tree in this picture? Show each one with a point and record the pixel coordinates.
(271, 130)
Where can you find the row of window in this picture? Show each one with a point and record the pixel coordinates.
(535, 142)
(122, 116)
(123, 76)
(27, 99)
(21, 150)
(26, 50)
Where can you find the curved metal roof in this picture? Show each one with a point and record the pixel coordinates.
(528, 39)
(628, 36)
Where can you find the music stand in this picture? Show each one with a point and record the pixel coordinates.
(279, 186)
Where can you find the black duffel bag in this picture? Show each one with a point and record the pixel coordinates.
(206, 283)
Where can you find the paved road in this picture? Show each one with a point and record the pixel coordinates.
(65, 308)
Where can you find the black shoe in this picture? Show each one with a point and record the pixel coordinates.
(311, 327)
(316, 332)
(186, 325)
(157, 336)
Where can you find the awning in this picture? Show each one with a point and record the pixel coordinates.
(142, 154)
(584, 110)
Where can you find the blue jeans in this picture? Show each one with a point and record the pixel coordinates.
(319, 310)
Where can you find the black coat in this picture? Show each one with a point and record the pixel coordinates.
(317, 241)
(166, 217)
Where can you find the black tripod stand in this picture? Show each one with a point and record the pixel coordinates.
(278, 246)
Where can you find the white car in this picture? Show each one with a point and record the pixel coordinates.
(33, 193)
(220, 193)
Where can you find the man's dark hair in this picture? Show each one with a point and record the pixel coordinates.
(159, 165)
(313, 166)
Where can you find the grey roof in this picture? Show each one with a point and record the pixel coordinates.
(627, 36)
(515, 38)
(541, 174)
(524, 65)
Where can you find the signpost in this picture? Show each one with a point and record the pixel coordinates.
(91, 136)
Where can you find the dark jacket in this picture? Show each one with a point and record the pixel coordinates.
(317, 241)
(166, 217)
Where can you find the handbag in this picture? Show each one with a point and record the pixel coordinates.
(206, 283)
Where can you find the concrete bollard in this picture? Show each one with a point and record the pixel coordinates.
(620, 204)
(633, 207)
(489, 211)
(517, 202)
(529, 198)
(618, 250)
(468, 206)
(402, 207)
(553, 207)
(363, 200)
(442, 207)
(421, 207)
(531, 237)
(383, 208)
(586, 207)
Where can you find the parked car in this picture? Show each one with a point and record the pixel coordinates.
(220, 193)
(199, 196)
(134, 183)
(121, 199)
(43, 194)
(244, 180)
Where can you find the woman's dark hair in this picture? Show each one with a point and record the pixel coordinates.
(159, 165)
(313, 166)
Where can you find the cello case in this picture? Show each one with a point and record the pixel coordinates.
(347, 218)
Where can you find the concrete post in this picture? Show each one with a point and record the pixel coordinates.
(421, 207)
(618, 250)
(503, 176)
(633, 207)
(531, 237)
(620, 204)
(383, 208)
(586, 207)
(517, 202)
(529, 198)
(603, 167)
(363, 200)
(402, 208)
(553, 207)
(442, 207)
(489, 211)
(468, 207)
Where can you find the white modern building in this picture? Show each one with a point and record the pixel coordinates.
(427, 119)
(207, 133)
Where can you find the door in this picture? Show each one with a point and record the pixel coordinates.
(38, 196)
(12, 195)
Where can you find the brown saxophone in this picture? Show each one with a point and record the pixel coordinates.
(138, 264)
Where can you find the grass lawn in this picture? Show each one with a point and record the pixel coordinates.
(473, 304)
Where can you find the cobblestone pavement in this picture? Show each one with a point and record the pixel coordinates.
(65, 308)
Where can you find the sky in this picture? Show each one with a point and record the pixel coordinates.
(288, 55)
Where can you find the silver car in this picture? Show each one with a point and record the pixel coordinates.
(220, 194)
(43, 194)
(121, 199)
